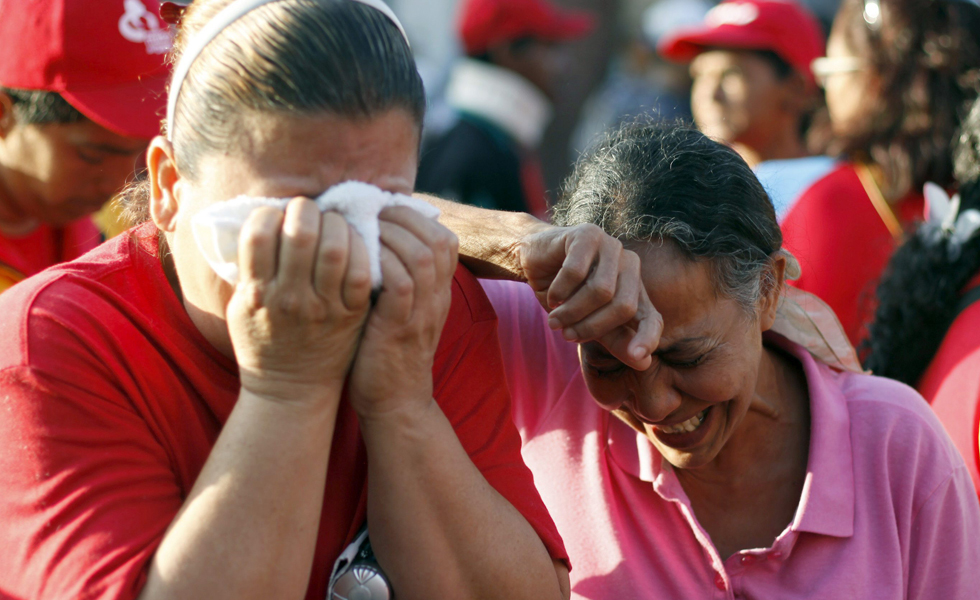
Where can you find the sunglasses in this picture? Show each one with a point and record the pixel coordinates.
(825, 66)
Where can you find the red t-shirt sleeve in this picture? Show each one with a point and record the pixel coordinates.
(88, 491)
(472, 392)
(842, 245)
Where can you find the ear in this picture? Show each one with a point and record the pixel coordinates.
(164, 184)
(770, 291)
(7, 120)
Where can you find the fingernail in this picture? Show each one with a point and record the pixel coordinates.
(554, 323)
(639, 353)
(569, 334)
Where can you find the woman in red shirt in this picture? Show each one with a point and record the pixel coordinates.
(926, 330)
(166, 434)
(899, 75)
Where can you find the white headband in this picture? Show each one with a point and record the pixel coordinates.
(215, 26)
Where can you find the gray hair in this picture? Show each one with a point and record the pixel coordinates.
(656, 181)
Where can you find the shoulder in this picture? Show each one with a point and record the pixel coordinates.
(63, 306)
(891, 420)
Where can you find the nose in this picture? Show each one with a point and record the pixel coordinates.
(654, 396)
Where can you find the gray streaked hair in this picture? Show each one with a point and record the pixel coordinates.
(659, 181)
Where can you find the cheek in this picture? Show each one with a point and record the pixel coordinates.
(720, 380)
(710, 384)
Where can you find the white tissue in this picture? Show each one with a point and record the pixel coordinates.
(217, 228)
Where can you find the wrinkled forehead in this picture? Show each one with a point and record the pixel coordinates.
(683, 290)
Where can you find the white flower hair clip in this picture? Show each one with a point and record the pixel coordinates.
(945, 222)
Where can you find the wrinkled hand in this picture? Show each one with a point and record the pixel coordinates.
(393, 368)
(592, 288)
(300, 303)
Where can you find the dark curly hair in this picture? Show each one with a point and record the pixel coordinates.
(919, 293)
(665, 181)
(926, 55)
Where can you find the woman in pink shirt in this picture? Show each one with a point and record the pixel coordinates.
(749, 457)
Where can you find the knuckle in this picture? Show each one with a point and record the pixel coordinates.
(423, 257)
(359, 280)
(259, 233)
(404, 286)
(332, 253)
(577, 271)
(304, 237)
(592, 231)
(624, 309)
(586, 331)
(443, 242)
(289, 303)
(603, 291)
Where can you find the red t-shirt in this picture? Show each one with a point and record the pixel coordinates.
(843, 245)
(111, 400)
(23, 256)
(951, 384)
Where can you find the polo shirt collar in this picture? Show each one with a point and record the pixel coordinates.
(827, 502)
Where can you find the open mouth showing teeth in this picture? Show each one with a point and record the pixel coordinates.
(687, 426)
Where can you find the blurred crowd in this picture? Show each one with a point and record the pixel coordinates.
(739, 355)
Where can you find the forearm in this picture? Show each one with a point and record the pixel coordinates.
(438, 528)
(488, 239)
(248, 528)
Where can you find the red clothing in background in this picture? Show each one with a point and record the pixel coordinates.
(843, 245)
(112, 400)
(24, 256)
(951, 384)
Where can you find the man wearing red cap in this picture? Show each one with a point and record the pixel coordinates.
(502, 94)
(81, 88)
(753, 87)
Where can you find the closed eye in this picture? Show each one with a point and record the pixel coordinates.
(689, 364)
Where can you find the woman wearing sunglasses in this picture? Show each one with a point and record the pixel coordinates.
(899, 76)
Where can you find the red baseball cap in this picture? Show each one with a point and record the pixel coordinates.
(484, 23)
(107, 58)
(782, 26)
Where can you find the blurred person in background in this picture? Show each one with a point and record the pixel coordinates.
(753, 88)
(502, 93)
(926, 331)
(81, 89)
(640, 82)
(899, 77)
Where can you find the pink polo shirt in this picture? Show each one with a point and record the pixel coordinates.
(888, 509)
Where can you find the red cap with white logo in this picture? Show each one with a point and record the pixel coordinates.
(107, 58)
(781, 26)
(483, 23)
